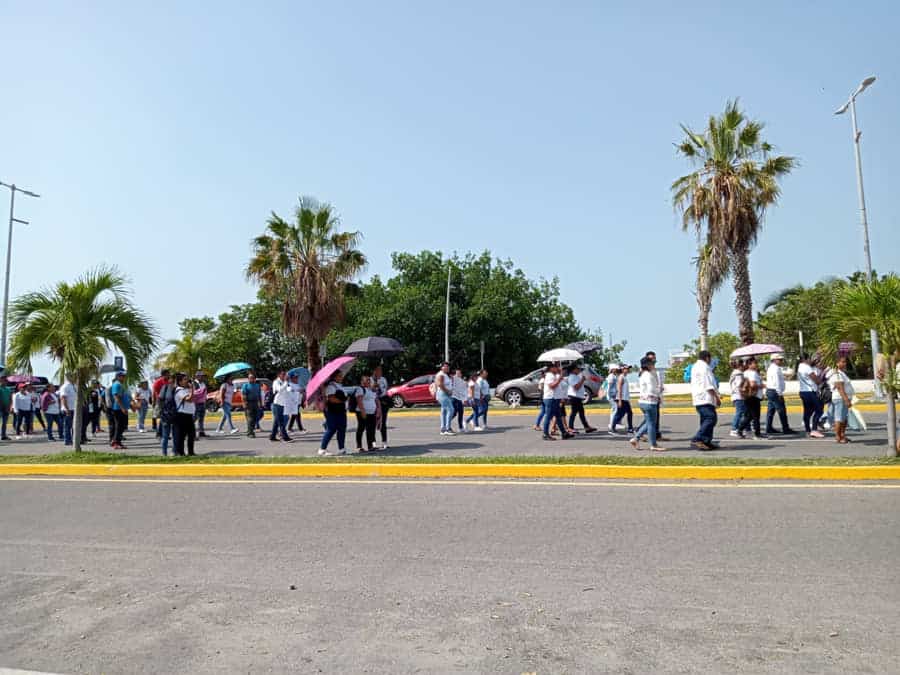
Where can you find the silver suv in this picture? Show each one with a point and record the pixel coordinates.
(526, 389)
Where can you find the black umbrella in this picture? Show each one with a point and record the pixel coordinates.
(378, 347)
(585, 347)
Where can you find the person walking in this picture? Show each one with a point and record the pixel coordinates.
(366, 414)
(50, 406)
(443, 392)
(460, 391)
(94, 408)
(335, 415)
(705, 397)
(611, 387)
(226, 396)
(484, 390)
(67, 409)
(296, 414)
(576, 399)
(185, 432)
(141, 401)
(542, 409)
(36, 407)
(119, 401)
(775, 396)
(6, 407)
(166, 410)
(623, 401)
(648, 385)
(473, 394)
(24, 407)
(252, 394)
(753, 394)
(552, 397)
(809, 379)
(201, 391)
(662, 392)
(283, 400)
(380, 384)
(736, 382)
(158, 384)
(842, 399)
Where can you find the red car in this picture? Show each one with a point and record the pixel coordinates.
(413, 392)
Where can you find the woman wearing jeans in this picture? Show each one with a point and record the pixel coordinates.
(226, 395)
(335, 416)
(460, 393)
(443, 392)
(649, 403)
(810, 379)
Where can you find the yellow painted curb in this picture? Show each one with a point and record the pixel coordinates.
(360, 470)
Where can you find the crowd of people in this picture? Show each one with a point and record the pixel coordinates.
(176, 405)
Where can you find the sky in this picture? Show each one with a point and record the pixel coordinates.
(161, 135)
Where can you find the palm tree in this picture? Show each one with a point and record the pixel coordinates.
(712, 270)
(724, 200)
(305, 266)
(76, 325)
(185, 355)
(858, 308)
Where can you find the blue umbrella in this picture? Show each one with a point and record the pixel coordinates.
(230, 368)
(302, 374)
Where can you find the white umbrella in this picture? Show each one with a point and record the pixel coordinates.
(561, 354)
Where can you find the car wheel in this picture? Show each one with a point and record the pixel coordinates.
(398, 401)
(513, 398)
(212, 406)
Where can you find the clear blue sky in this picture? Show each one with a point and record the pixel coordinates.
(161, 136)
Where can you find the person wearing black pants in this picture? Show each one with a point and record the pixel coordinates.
(184, 416)
(380, 385)
(366, 414)
(576, 399)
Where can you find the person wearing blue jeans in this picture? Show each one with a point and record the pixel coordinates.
(474, 400)
(648, 425)
(650, 392)
(283, 398)
(705, 397)
(443, 392)
(553, 409)
(335, 415)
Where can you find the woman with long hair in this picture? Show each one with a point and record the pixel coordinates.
(648, 383)
(810, 379)
(335, 415)
(754, 391)
(842, 398)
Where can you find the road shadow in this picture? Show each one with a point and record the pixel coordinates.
(414, 450)
(229, 453)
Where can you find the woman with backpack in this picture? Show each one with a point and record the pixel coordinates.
(184, 414)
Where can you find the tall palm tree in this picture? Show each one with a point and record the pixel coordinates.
(857, 309)
(76, 325)
(712, 270)
(725, 198)
(306, 265)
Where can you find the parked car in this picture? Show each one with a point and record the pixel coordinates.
(412, 392)
(214, 400)
(526, 389)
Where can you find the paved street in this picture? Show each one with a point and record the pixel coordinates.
(414, 433)
(397, 577)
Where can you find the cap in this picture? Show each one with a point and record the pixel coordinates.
(778, 357)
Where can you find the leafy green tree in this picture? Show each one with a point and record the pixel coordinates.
(305, 266)
(723, 201)
(720, 346)
(188, 352)
(76, 325)
(857, 308)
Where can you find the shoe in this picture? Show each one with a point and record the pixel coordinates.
(635, 443)
(478, 429)
(631, 431)
(613, 432)
(384, 446)
(202, 434)
(548, 438)
(789, 432)
(360, 450)
(7, 438)
(660, 437)
(733, 434)
(657, 448)
(342, 452)
(536, 428)
(759, 437)
(18, 438)
(700, 445)
(816, 434)
(287, 440)
(566, 437)
(218, 431)
(273, 440)
(322, 453)
(713, 445)
(140, 431)
(449, 433)
(590, 430)
(250, 435)
(235, 430)
(302, 431)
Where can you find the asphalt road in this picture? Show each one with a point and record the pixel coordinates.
(414, 433)
(437, 577)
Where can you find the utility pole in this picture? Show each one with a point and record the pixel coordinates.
(12, 219)
(447, 318)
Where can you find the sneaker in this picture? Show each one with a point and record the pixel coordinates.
(384, 446)
(734, 434)
(700, 445)
(287, 440)
(478, 429)
(140, 431)
(301, 431)
(590, 430)
(449, 433)
(548, 438)
(235, 430)
(657, 448)
(322, 453)
(613, 432)
(635, 443)
(816, 434)
(218, 431)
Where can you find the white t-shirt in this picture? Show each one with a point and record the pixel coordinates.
(838, 376)
(576, 385)
(442, 381)
(804, 377)
(53, 404)
(735, 382)
(184, 401)
(381, 385)
(702, 384)
(550, 379)
(296, 396)
(67, 391)
(484, 387)
(648, 383)
(283, 395)
(460, 390)
(22, 401)
(775, 378)
(756, 379)
(623, 390)
(369, 399)
(227, 393)
(562, 391)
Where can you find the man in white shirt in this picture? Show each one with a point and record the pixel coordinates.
(576, 398)
(552, 399)
(705, 396)
(283, 398)
(775, 396)
(67, 409)
(662, 389)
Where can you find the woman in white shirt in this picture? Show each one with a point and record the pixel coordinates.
(460, 392)
(366, 413)
(184, 414)
(623, 401)
(754, 391)
(841, 398)
(649, 404)
(24, 408)
(226, 396)
(809, 380)
(576, 398)
(736, 382)
(473, 394)
(50, 406)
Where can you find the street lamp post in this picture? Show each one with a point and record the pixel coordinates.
(12, 219)
(851, 104)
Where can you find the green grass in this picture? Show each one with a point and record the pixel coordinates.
(647, 460)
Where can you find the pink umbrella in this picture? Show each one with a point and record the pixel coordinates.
(756, 350)
(320, 379)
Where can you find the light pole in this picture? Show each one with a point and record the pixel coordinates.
(12, 219)
(851, 104)
(447, 319)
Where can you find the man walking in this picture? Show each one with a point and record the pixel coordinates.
(200, 392)
(775, 396)
(552, 403)
(252, 395)
(118, 395)
(705, 395)
(283, 401)
(67, 408)
(662, 389)
(160, 382)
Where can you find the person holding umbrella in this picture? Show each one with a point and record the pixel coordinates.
(226, 396)
(380, 384)
(552, 397)
(335, 415)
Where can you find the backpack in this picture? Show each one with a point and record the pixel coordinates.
(167, 408)
(352, 403)
(433, 387)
